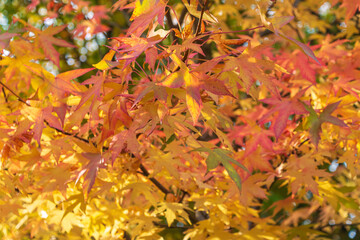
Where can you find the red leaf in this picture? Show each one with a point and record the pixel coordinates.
(96, 161)
(94, 91)
(5, 38)
(46, 41)
(70, 75)
(194, 103)
(285, 108)
(215, 86)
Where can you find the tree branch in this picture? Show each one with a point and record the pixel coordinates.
(146, 173)
(4, 93)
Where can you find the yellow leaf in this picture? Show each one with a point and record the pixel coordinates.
(192, 8)
(104, 64)
(171, 210)
(142, 6)
(193, 98)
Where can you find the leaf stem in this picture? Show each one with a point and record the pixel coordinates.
(197, 32)
(198, 28)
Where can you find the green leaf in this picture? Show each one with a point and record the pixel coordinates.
(223, 154)
(217, 156)
(212, 161)
(232, 172)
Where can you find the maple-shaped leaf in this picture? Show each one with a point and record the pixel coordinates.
(249, 69)
(5, 39)
(79, 199)
(139, 189)
(351, 7)
(284, 108)
(213, 85)
(56, 178)
(63, 80)
(46, 41)
(93, 91)
(96, 161)
(274, 26)
(301, 171)
(315, 121)
(106, 63)
(253, 187)
(257, 136)
(126, 139)
(192, 7)
(184, 77)
(349, 84)
(298, 60)
(171, 210)
(132, 47)
(144, 13)
(39, 116)
(218, 156)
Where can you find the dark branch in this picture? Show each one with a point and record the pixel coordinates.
(146, 173)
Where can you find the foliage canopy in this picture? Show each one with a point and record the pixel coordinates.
(199, 119)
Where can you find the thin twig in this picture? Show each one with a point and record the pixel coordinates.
(171, 25)
(198, 28)
(183, 196)
(197, 32)
(4, 93)
(13, 93)
(146, 173)
(182, 16)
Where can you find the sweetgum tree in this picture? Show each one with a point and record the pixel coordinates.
(155, 119)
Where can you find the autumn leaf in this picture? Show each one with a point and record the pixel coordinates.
(39, 116)
(46, 41)
(257, 136)
(5, 39)
(70, 75)
(124, 140)
(106, 63)
(171, 210)
(192, 84)
(218, 156)
(351, 7)
(193, 10)
(207, 133)
(144, 12)
(316, 121)
(285, 108)
(94, 91)
(96, 161)
(132, 47)
(276, 24)
(215, 86)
